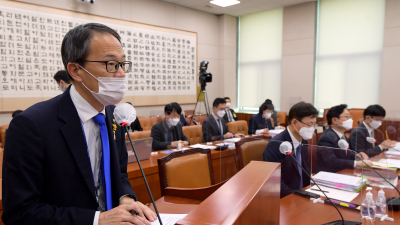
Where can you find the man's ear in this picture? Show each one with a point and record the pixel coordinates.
(73, 70)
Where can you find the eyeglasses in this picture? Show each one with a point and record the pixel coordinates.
(112, 66)
(378, 118)
(309, 125)
(348, 117)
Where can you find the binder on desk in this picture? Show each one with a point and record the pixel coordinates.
(339, 181)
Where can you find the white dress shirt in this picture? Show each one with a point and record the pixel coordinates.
(295, 142)
(92, 134)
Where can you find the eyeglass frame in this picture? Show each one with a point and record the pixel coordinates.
(314, 126)
(119, 64)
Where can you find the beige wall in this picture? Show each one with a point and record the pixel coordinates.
(298, 38)
(390, 76)
(216, 36)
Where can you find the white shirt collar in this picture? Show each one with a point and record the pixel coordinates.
(295, 142)
(216, 117)
(338, 133)
(84, 109)
(368, 128)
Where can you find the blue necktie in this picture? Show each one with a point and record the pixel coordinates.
(298, 159)
(105, 164)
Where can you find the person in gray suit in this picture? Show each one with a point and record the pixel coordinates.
(373, 117)
(214, 127)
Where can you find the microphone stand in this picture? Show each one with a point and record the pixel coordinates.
(125, 126)
(343, 222)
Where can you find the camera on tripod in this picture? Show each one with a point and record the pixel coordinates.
(204, 77)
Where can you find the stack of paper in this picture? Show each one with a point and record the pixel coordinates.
(232, 140)
(334, 193)
(392, 162)
(275, 131)
(169, 219)
(396, 147)
(339, 181)
(374, 179)
(384, 166)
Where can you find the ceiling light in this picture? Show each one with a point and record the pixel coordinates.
(225, 3)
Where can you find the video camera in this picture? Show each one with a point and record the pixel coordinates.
(204, 77)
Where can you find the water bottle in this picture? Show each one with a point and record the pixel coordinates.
(368, 206)
(179, 146)
(381, 206)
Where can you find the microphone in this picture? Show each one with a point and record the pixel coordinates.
(124, 115)
(343, 144)
(284, 146)
(371, 140)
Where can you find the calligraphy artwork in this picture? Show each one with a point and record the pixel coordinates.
(30, 54)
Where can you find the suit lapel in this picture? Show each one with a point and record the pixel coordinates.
(214, 123)
(73, 134)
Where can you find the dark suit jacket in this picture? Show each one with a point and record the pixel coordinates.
(233, 115)
(258, 122)
(333, 160)
(47, 177)
(158, 135)
(136, 125)
(359, 143)
(211, 131)
(275, 117)
(183, 122)
(290, 177)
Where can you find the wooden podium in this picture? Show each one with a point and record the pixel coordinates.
(252, 196)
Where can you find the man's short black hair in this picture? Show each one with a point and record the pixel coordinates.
(218, 101)
(301, 110)
(226, 98)
(75, 46)
(335, 112)
(62, 75)
(265, 106)
(16, 112)
(171, 107)
(374, 110)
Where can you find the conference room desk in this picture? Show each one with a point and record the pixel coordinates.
(223, 163)
(295, 209)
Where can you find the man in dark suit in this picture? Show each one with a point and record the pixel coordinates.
(62, 80)
(168, 133)
(214, 127)
(64, 160)
(261, 122)
(302, 123)
(230, 114)
(333, 159)
(373, 117)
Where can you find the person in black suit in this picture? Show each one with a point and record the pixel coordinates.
(333, 159)
(214, 127)
(230, 114)
(261, 122)
(274, 115)
(167, 133)
(62, 80)
(373, 117)
(52, 157)
(302, 123)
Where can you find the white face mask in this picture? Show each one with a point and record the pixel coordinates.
(221, 113)
(375, 124)
(111, 89)
(62, 87)
(173, 122)
(306, 132)
(267, 115)
(348, 124)
(228, 104)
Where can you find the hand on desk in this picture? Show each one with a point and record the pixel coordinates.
(360, 163)
(239, 135)
(121, 215)
(228, 135)
(388, 144)
(175, 144)
(362, 155)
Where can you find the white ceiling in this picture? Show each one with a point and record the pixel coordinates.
(245, 6)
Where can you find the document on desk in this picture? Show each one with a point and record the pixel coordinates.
(198, 146)
(275, 131)
(232, 140)
(345, 196)
(391, 162)
(169, 219)
(396, 148)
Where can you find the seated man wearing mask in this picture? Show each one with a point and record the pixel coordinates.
(62, 80)
(214, 127)
(230, 114)
(334, 159)
(261, 122)
(168, 133)
(302, 123)
(65, 160)
(373, 117)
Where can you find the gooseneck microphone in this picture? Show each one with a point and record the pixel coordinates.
(286, 148)
(124, 115)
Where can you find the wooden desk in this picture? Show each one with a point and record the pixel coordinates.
(223, 162)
